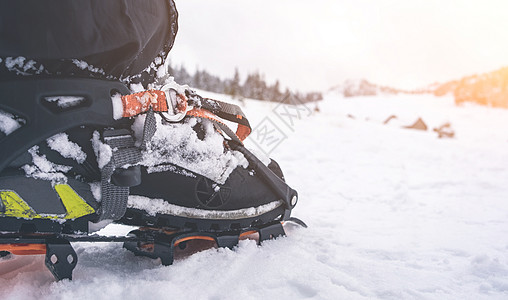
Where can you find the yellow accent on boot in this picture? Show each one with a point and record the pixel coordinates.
(74, 205)
(16, 207)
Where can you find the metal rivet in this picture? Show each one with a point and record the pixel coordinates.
(294, 200)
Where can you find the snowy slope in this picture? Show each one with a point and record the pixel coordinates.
(392, 213)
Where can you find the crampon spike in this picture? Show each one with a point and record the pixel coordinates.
(169, 246)
(297, 221)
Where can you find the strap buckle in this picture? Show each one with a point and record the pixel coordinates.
(178, 105)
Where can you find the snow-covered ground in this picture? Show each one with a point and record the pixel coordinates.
(393, 214)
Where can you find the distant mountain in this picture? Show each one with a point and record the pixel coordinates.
(489, 89)
(362, 87)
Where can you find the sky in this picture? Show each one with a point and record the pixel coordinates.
(314, 45)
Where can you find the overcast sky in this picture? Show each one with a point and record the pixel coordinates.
(313, 45)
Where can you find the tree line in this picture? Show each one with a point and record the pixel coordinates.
(254, 86)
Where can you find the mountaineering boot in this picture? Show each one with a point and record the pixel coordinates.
(200, 187)
(75, 160)
(195, 171)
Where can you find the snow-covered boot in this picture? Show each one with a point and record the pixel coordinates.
(74, 156)
(196, 174)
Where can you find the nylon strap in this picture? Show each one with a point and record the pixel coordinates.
(230, 112)
(114, 198)
(149, 128)
(205, 114)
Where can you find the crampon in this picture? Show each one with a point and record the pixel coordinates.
(84, 152)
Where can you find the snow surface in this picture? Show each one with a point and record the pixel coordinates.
(393, 214)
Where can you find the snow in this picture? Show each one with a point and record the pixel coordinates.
(95, 188)
(21, 66)
(393, 213)
(43, 169)
(179, 144)
(11, 62)
(83, 65)
(66, 101)
(8, 123)
(154, 206)
(60, 143)
(103, 152)
(116, 100)
(136, 87)
(171, 168)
